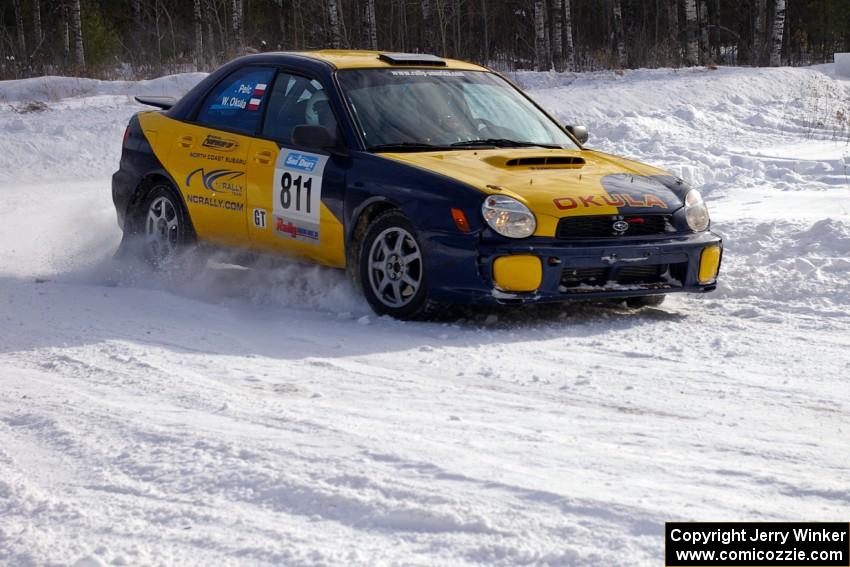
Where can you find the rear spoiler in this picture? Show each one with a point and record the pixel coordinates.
(163, 102)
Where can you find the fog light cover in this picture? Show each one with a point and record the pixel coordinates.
(709, 264)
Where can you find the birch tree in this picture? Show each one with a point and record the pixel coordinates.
(704, 47)
(36, 23)
(333, 23)
(541, 50)
(370, 25)
(557, 34)
(485, 23)
(568, 36)
(673, 28)
(77, 31)
(199, 34)
(236, 22)
(19, 29)
(760, 31)
(778, 31)
(620, 33)
(692, 44)
(428, 26)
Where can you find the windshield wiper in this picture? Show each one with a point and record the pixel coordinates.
(501, 143)
(405, 147)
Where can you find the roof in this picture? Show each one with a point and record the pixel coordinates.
(352, 59)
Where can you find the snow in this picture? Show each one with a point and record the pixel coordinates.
(263, 415)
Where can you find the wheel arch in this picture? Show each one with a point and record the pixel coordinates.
(146, 184)
(363, 215)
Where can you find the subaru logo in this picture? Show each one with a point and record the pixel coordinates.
(620, 226)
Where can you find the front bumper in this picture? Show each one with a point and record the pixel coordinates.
(580, 270)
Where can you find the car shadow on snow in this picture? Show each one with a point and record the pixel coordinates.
(269, 307)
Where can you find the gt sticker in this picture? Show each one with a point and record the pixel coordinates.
(298, 195)
(260, 218)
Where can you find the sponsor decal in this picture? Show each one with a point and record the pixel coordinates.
(427, 73)
(301, 162)
(287, 227)
(217, 180)
(215, 203)
(646, 201)
(297, 191)
(260, 218)
(221, 144)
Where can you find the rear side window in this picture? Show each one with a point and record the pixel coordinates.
(237, 102)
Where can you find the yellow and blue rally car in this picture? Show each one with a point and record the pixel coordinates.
(431, 181)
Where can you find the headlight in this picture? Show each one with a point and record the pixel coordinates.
(508, 217)
(696, 213)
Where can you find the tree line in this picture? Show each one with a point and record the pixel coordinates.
(140, 38)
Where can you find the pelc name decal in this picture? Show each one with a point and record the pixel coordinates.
(612, 200)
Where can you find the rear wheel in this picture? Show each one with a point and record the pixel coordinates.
(163, 230)
(392, 268)
(645, 301)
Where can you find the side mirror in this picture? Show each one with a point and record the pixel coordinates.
(579, 132)
(313, 136)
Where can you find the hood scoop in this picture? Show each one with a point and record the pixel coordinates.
(538, 162)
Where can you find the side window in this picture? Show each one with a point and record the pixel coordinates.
(236, 103)
(296, 101)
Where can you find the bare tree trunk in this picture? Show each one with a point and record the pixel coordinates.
(558, 34)
(77, 32)
(760, 32)
(370, 25)
(745, 34)
(541, 50)
(619, 30)
(238, 38)
(778, 31)
(199, 34)
(427, 26)
(19, 29)
(568, 36)
(673, 27)
(692, 45)
(36, 23)
(333, 21)
(456, 27)
(485, 21)
(66, 35)
(210, 52)
(282, 27)
(704, 47)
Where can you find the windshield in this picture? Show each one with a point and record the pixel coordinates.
(417, 109)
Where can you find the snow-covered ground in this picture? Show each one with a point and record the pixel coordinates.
(263, 416)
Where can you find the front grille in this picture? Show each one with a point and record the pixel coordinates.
(602, 226)
(653, 276)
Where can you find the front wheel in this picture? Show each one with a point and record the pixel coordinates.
(392, 268)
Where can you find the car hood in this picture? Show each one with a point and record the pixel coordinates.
(558, 183)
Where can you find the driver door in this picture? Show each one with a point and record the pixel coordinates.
(295, 193)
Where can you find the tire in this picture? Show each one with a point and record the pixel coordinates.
(391, 268)
(645, 301)
(162, 228)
